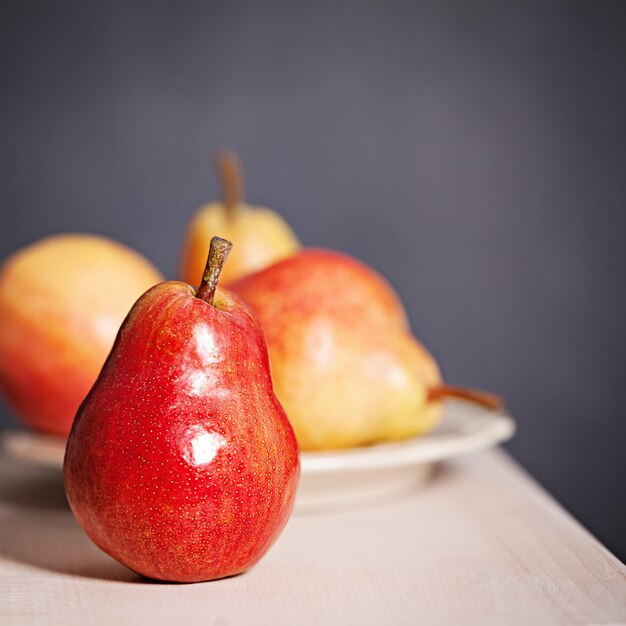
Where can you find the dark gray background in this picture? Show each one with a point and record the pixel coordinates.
(475, 153)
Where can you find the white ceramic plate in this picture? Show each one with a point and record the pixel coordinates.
(347, 478)
(351, 477)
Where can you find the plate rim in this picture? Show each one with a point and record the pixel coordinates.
(485, 429)
(489, 428)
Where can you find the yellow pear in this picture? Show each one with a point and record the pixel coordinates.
(62, 300)
(345, 365)
(260, 236)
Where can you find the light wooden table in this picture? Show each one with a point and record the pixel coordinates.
(481, 544)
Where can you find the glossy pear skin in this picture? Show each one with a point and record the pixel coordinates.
(181, 463)
(345, 365)
(62, 300)
(260, 237)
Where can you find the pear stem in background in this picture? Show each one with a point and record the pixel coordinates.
(218, 253)
(477, 396)
(230, 175)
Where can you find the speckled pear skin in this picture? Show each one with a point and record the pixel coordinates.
(181, 463)
(345, 365)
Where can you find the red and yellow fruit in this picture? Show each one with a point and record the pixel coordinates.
(62, 300)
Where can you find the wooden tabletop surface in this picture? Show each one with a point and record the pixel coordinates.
(480, 544)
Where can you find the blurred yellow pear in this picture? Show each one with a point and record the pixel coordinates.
(260, 236)
(62, 301)
(345, 365)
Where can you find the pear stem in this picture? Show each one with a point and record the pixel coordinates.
(218, 253)
(230, 175)
(477, 396)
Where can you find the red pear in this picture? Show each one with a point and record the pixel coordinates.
(181, 462)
